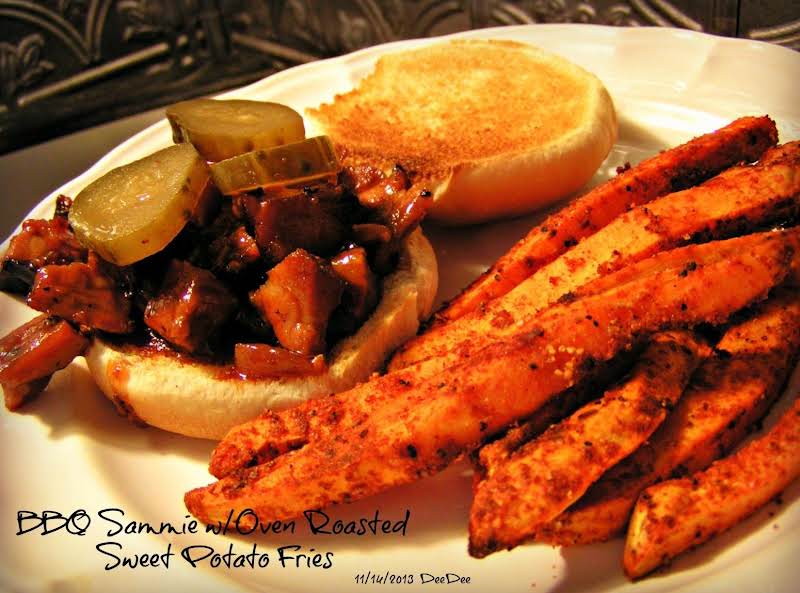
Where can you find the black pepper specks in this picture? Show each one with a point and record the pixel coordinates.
(690, 267)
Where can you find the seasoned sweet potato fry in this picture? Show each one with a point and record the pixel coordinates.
(730, 391)
(496, 452)
(493, 455)
(546, 475)
(744, 140)
(262, 439)
(739, 199)
(399, 427)
(676, 515)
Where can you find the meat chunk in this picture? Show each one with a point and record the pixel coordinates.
(30, 354)
(397, 207)
(301, 221)
(191, 307)
(208, 205)
(297, 299)
(234, 252)
(88, 294)
(16, 276)
(408, 210)
(63, 206)
(39, 243)
(44, 242)
(374, 188)
(396, 200)
(203, 245)
(257, 361)
(361, 288)
(362, 177)
(371, 232)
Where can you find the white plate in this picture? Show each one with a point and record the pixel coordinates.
(69, 450)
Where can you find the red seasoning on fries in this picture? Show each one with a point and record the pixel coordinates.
(250, 283)
(676, 515)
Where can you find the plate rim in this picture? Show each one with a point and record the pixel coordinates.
(374, 51)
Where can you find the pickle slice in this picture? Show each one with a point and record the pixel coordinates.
(135, 210)
(223, 129)
(280, 168)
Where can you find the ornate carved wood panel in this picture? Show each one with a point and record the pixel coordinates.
(69, 64)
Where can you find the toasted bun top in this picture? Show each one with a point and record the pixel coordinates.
(450, 110)
(200, 400)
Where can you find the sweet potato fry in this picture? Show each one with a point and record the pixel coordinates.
(400, 427)
(544, 476)
(743, 140)
(739, 199)
(680, 514)
(730, 392)
(495, 452)
(493, 455)
(264, 438)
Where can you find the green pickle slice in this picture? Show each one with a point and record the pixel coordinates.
(280, 168)
(221, 129)
(135, 210)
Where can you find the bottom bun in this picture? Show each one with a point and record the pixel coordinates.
(199, 400)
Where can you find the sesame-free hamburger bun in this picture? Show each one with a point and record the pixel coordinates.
(492, 128)
(185, 396)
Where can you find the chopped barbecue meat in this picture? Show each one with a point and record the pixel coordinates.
(245, 206)
(208, 206)
(30, 354)
(375, 189)
(63, 206)
(45, 242)
(16, 276)
(251, 326)
(399, 206)
(196, 243)
(192, 292)
(39, 243)
(361, 286)
(234, 252)
(301, 221)
(297, 299)
(16, 395)
(398, 203)
(90, 294)
(404, 215)
(407, 211)
(191, 307)
(370, 232)
(362, 177)
(258, 361)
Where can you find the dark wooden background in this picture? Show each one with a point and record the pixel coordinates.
(70, 64)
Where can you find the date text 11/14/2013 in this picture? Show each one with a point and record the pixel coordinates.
(390, 578)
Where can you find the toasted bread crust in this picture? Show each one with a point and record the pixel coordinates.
(499, 126)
